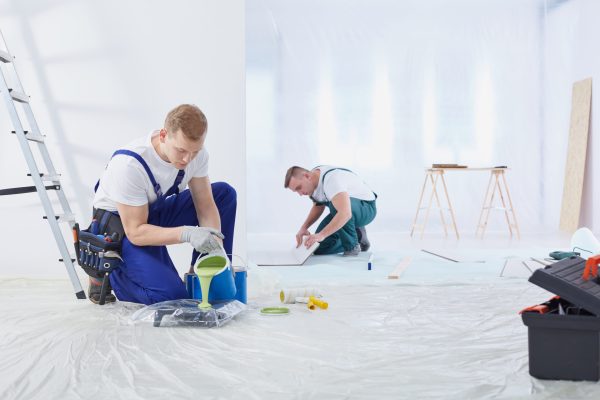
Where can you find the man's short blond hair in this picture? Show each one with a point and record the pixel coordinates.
(189, 119)
(294, 171)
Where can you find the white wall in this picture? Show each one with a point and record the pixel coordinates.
(101, 73)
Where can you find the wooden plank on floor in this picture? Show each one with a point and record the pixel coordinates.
(576, 154)
(400, 268)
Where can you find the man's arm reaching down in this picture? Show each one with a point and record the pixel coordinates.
(341, 203)
(140, 232)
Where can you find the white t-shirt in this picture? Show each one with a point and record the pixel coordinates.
(125, 180)
(338, 181)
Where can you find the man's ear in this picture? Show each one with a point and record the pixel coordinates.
(306, 175)
(162, 135)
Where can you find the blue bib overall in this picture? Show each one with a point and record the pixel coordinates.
(148, 275)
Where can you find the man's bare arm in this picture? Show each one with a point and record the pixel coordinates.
(206, 209)
(341, 202)
(140, 232)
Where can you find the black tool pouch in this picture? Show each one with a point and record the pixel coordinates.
(98, 248)
(96, 256)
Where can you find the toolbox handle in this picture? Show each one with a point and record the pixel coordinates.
(591, 267)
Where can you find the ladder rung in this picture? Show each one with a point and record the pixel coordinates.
(32, 137)
(63, 217)
(5, 57)
(49, 178)
(18, 96)
(25, 189)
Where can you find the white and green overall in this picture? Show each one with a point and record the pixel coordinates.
(362, 203)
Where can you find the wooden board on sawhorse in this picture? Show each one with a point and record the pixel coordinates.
(432, 175)
(497, 183)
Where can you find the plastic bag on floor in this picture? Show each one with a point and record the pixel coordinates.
(185, 312)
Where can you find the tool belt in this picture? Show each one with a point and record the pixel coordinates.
(98, 247)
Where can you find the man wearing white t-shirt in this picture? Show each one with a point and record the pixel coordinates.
(142, 196)
(351, 206)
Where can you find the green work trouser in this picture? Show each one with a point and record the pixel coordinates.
(346, 238)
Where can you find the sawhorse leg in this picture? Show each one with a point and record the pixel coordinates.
(429, 177)
(495, 184)
(487, 204)
(511, 211)
(414, 224)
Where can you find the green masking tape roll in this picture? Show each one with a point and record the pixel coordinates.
(275, 311)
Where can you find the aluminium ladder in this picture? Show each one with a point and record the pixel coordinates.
(14, 97)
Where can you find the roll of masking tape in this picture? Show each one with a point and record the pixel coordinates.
(275, 311)
(288, 295)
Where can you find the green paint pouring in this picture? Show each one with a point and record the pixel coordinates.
(206, 268)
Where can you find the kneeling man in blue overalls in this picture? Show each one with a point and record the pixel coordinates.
(156, 192)
(351, 205)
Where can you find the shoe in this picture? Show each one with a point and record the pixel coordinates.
(365, 245)
(94, 290)
(354, 252)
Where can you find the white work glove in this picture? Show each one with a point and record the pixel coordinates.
(201, 238)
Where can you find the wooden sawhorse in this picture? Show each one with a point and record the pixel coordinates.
(497, 183)
(433, 175)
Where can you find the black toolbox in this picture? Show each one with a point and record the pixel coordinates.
(564, 332)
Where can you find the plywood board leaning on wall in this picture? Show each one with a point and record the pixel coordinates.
(576, 154)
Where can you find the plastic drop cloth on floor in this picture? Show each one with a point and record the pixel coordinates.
(186, 312)
(410, 338)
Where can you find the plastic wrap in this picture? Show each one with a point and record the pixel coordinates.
(185, 312)
(442, 331)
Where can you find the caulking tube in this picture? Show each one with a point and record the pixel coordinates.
(288, 295)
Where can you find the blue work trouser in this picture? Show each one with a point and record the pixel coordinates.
(346, 238)
(148, 275)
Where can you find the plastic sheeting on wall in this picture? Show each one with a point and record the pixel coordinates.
(389, 87)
